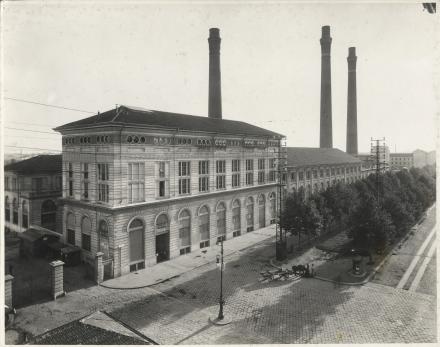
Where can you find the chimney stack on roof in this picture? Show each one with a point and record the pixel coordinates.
(352, 141)
(215, 93)
(326, 137)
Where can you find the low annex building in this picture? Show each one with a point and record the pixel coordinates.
(316, 169)
(32, 187)
(144, 186)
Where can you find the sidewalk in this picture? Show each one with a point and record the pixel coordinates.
(177, 266)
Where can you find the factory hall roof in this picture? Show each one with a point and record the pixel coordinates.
(138, 117)
(46, 163)
(308, 156)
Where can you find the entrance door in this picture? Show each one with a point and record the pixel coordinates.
(162, 247)
(136, 240)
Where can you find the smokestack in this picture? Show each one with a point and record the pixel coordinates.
(215, 92)
(352, 141)
(326, 138)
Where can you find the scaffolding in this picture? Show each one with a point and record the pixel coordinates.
(281, 155)
(378, 157)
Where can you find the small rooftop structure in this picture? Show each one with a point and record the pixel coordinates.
(45, 163)
(308, 156)
(99, 328)
(138, 117)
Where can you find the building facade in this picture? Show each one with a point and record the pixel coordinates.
(316, 169)
(32, 187)
(399, 161)
(145, 186)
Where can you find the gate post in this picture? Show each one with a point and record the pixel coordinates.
(8, 290)
(99, 268)
(57, 288)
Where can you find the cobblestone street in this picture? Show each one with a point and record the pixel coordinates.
(306, 311)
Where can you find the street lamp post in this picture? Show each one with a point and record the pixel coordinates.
(220, 313)
(220, 319)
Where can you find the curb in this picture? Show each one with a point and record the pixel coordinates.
(181, 273)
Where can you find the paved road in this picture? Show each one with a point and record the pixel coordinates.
(308, 311)
(413, 266)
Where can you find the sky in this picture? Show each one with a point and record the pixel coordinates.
(93, 55)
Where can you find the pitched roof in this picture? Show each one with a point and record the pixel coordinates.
(125, 115)
(97, 329)
(40, 164)
(303, 156)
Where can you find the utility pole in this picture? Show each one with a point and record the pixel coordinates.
(281, 242)
(378, 148)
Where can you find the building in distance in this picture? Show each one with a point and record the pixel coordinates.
(316, 169)
(32, 187)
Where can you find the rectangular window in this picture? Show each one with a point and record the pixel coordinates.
(328, 172)
(37, 184)
(204, 176)
(308, 175)
(184, 177)
(301, 175)
(71, 236)
(6, 183)
(85, 181)
(321, 173)
(221, 174)
(161, 179)
(136, 177)
(236, 173)
(249, 172)
(315, 174)
(14, 184)
(85, 242)
(272, 170)
(293, 176)
(103, 182)
(70, 179)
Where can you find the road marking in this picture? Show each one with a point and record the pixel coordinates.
(414, 262)
(422, 268)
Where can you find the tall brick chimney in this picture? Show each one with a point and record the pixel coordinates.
(215, 92)
(326, 137)
(352, 141)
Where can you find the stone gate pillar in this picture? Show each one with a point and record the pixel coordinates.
(8, 290)
(99, 268)
(57, 287)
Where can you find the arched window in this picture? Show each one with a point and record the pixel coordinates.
(103, 239)
(15, 211)
(204, 226)
(184, 232)
(261, 211)
(7, 209)
(162, 225)
(136, 241)
(273, 207)
(221, 222)
(236, 220)
(249, 214)
(86, 232)
(24, 214)
(48, 215)
(70, 227)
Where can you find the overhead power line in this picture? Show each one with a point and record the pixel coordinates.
(49, 105)
(32, 131)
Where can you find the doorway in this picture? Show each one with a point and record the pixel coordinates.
(162, 247)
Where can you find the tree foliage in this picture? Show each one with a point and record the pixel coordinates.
(370, 221)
